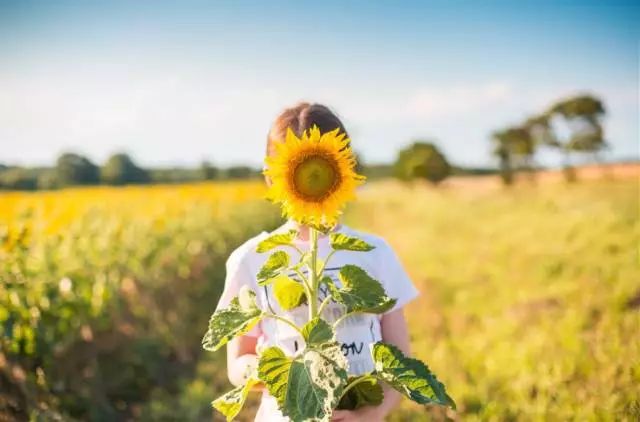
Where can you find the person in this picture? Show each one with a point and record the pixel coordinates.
(355, 333)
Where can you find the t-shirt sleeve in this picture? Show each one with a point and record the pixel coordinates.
(395, 279)
(238, 275)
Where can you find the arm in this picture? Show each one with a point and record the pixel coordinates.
(394, 331)
(241, 358)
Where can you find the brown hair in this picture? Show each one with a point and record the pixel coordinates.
(299, 118)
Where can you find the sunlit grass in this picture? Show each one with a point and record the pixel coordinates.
(529, 305)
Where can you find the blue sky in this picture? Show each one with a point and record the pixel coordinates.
(175, 83)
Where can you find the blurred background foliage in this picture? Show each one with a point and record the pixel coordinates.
(105, 294)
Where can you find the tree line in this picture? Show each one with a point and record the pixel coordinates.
(569, 126)
(514, 147)
(73, 169)
(419, 160)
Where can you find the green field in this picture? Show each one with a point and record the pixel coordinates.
(530, 305)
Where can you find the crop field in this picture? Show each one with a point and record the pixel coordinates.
(530, 304)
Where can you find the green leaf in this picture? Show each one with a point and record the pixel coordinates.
(304, 258)
(307, 387)
(289, 293)
(326, 280)
(276, 262)
(317, 331)
(365, 393)
(231, 402)
(281, 239)
(360, 292)
(240, 317)
(273, 369)
(409, 376)
(340, 241)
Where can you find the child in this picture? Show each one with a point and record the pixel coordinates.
(355, 333)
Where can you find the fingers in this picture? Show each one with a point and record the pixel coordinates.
(340, 416)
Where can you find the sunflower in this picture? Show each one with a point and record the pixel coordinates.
(313, 176)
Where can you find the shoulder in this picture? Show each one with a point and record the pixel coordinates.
(247, 254)
(246, 251)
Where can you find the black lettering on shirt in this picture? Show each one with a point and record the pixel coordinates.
(352, 348)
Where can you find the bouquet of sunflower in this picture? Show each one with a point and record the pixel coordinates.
(312, 177)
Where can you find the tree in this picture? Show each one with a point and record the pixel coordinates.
(208, 171)
(47, 180)
(240, 172)
(74, 169)
(540, 130)
(360, 166)
(18, 178)
(514, 146)
(582, 115)
(502, 150)
(422, 160)
(121, 170)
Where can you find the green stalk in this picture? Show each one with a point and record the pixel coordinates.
(285, 320)
(313, 276)
(342, 318)
(355, 382)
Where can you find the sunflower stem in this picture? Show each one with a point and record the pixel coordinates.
(326, 261)
(324, 303)
(304, 280)
(285, 320)
(365, 378)
(342, 318)
(313, 275)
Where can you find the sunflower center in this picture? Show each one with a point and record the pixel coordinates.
(315, 177)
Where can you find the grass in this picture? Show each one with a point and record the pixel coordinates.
(530, 296)
(530, 305)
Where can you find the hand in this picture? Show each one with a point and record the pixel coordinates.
(364, 414)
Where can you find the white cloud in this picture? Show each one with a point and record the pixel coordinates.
(441, 102)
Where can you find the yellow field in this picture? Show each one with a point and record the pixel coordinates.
(52, 211)
(530, 305)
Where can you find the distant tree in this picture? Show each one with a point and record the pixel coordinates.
(121, 170)
(422, 160)
(175, 175)
(359, 162)
(582, 114)
(18, 178)
(240, 172)
(473, 171)
(540, 130)
(519, 145)
(502, 150)
(378, 171)
(208, 171)
(47, 180)
(74, 169)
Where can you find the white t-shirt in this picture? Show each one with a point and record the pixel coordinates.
(355, 333)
